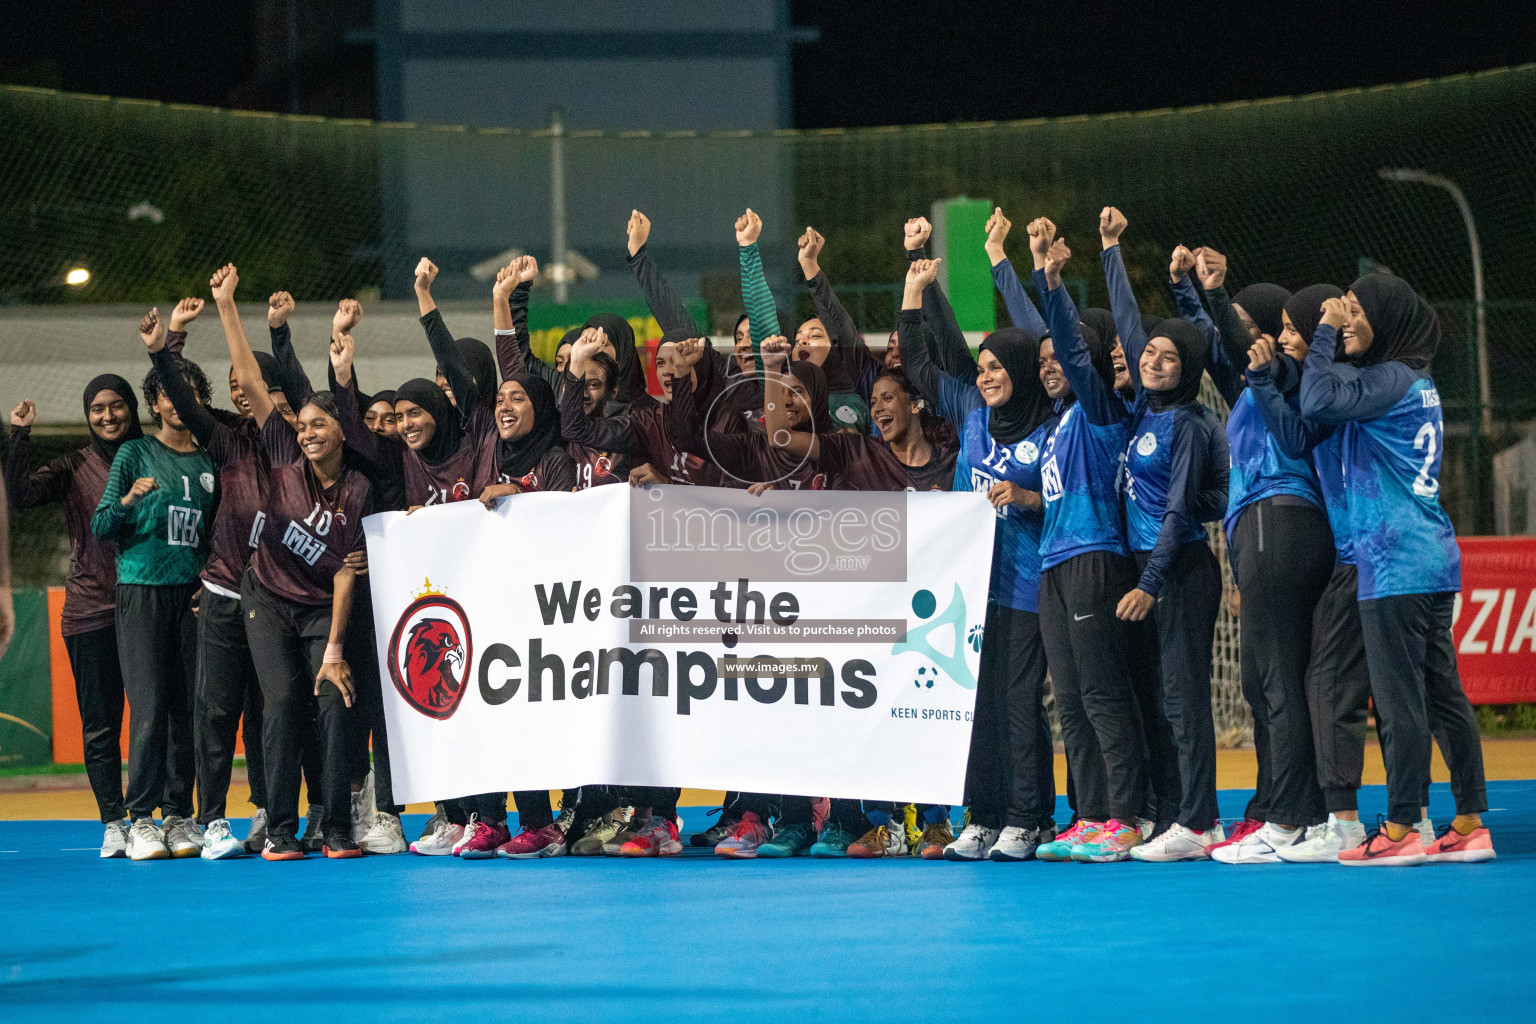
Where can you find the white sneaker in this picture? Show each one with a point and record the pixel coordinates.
(432, 824)
(468, 834)
(219, 843)
(182, 837)
(114, 839)
(145, 841)
(1261, 847)
(363, 809)
(1015, 843)
(975, 842)
(1323, 843)
(1426, 830)
(442, 840)
(384, 835)
(1176, 844)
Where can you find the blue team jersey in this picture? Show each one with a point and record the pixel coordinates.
(1404, 542)
(1078, 476)
(1148, 475)
(1259, 468)
(982, 463)
(1328, 458)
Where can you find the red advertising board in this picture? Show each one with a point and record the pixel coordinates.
(1495, 619)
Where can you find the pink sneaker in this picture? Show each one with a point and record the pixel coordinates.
(658, 839)
(745, 838)
(1380, 850)
(1451, 847)
(1246, 827)
(548, 841)
(483, 841)
(441, 841)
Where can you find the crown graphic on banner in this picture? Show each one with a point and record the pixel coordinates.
(428, 589)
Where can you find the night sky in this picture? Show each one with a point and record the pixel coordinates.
(890, 63)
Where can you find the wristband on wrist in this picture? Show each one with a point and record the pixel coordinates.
(332, 654)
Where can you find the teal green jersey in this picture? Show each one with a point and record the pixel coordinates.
(162, 540)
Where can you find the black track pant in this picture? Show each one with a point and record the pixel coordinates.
(362, 656)
(1084, 646)
(1010, 778)
(99, 692)
(157, 649)
(1284, 557)
(1160, 755)
(1339, 690)
(287, 642)
(1184, 618)
(226, 682)
(1412, 662)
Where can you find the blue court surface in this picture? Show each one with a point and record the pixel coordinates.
(695, 938)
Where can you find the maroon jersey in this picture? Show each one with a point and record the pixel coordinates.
(77, 480)
(459, 477)
(243, 474)
(556, 471)
(595, 468)
(306, 530)
(650, 443)
(859, 462)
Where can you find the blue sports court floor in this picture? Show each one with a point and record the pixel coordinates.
(696, 939)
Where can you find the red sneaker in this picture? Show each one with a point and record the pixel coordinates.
(1246, 827)
(483, 841)
(749, 834)
(1451, 847)
(1380, 850)
(658, 839)
(548, 841)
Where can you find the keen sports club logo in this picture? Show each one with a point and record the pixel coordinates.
(430, 653)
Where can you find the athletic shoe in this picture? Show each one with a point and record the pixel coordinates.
(975, 843)
(788, 841)
(531, 844)
(1147, 827)
(1324, 843)
(256, 836)
(1451, 847)
(1060, 849)
(219, 843)
(384, 836)
(182, 836)
(1380, 850)
(1113, 845)
(1426, 830)
(626, 832)
(440, 843)
(716, 833)
(833, 841)
(282, 846)
(930, 845)
(363, 809)
(114, 839)
(1262, 846)
(659, 839)
(888, 840)
(145, 841)
(745, 839)
(433, 823)
(1175, 844)
(484, 841)
(1015, 843)
(598, 834)
(313, 837)
(339, 845)
(466, 835)
(1242, 830)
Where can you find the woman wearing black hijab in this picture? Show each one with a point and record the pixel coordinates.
(1003, 417)
(76, 480)
(1406, 552)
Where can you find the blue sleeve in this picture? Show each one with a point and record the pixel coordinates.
(1100, 404)
(1295, 436)
(952, 398)
(1227, 378)
(1020, 310)
(1122, 303)
(1329, 396)
(1187, 479)
(1186, 299)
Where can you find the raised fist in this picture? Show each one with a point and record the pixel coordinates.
(1210, 268)
(1057, 257)
(426, 273)
(527, 269)
(915, 233)
(1180, 264)
(1111, 223)
(998, 227)
(25, 413)
(748, 227)
(185, 312)
(152, 330)
(279, 308)
(638, 229)
(1041, 233)
(348, 313)
(810, 246)
(922, 273)
(223, 283)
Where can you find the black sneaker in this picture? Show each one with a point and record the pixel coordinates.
(712, 836)
(282, 846)
(338, 844)
(313, 839)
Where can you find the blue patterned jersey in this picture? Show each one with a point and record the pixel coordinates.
(1260, 469)
(1078, 477)
(1150, 473)
(1328, 458)
(982, 463)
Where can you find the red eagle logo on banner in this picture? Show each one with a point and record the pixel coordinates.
(430, 654)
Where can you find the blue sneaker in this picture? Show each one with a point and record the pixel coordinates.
(1062, 848)
(833, 841)
(789, 841)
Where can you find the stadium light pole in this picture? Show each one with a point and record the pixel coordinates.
(557, 270)
(1409, 174)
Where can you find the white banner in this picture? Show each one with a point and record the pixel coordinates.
(543, 645)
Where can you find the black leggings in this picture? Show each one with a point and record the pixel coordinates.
(227, 691)
(1010, 776)
(1084, 646)
(99, 693)
(157, 650)
(1283, 556)
(1339, 690)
